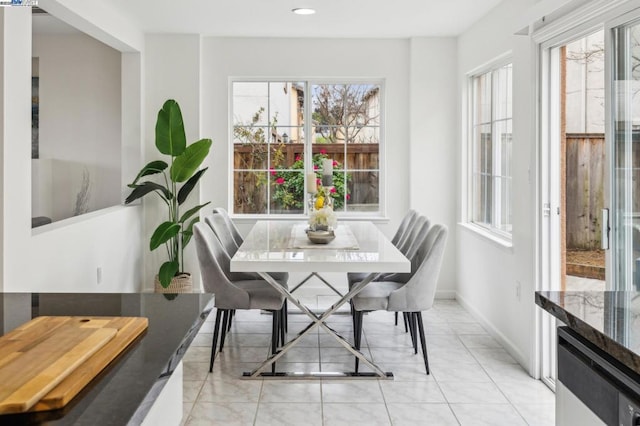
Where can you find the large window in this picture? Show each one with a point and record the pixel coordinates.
(491, 126)
(283, 133)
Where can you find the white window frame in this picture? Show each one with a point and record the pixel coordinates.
(492, 231)
(380, 214)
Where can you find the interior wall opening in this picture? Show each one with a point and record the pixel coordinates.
(76, 122)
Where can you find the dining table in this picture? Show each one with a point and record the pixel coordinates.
(283, 246)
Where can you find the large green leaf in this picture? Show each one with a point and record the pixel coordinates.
(185, 165)
(163, 233)
(150, 169)
(188, 232)
(170, 137)
(188, 186)
(192, 211)
(145, 188)
(167, 271)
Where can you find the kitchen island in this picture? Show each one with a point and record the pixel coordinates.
(145, 380)
(598, 356)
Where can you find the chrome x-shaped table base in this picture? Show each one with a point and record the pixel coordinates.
(315, 274)
(318, 321)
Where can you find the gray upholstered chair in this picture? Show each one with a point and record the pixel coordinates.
(408, 242)
(231, 238)
(221, 230)
(404, 225)
(420, 225)
(231, 295)
(220, 223)
(405, 236)
(237, 237)
(412, 297)
(410, 249)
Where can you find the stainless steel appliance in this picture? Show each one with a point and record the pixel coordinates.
(593, 388)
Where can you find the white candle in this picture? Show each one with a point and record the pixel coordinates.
(327, 166)
(312, 185)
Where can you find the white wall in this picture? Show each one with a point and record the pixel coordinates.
(172, 71)
(15, 43)
(411, 158)
(488, 272)
(224, 58)
(433, 143)
(65, 256)
(80, 116)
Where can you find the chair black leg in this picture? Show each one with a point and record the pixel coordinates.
(424, 344)
(232, 314)
(353, 319)
(412, 330)
(359, 315)
(285, 324)
(282, 323)
(396, 323)
(225, 321)
(274, 337)
(216, 328)
(414, 322)
(406, 325)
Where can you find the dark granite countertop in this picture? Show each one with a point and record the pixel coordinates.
(124, 392)
(608, 319)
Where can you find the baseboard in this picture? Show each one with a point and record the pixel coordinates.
(445, 294)
(495, 333)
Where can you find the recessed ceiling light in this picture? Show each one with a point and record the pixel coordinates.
(303, 11)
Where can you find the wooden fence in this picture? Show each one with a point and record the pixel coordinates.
(585, 165)
(250, 191)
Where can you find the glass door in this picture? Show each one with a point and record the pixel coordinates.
(625, 136)
(609, 152)
(574, 182)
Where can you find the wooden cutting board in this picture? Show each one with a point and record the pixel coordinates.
(129, 328)
(50, 359)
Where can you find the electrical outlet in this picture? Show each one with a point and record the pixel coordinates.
(518, 290)
(99, 275)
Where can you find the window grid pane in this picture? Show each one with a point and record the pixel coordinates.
(269, 144)
(490, 197)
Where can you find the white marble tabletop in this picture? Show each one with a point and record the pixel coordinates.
(274, 246)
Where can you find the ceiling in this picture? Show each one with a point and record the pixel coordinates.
(334, 18)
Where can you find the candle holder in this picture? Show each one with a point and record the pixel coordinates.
(327, 180)
(311, 203)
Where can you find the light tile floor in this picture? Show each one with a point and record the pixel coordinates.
(473, 380)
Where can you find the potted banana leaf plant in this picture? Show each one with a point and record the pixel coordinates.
(175, 181)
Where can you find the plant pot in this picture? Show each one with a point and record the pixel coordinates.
(181, 283)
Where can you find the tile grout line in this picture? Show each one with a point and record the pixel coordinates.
(321, 402)
(457, 339)
(498, 387)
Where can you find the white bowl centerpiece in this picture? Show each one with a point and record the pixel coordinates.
(323, 219)
(321, 224)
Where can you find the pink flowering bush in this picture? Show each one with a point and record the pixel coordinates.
(288, 189)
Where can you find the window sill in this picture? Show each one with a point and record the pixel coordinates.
(497, 240)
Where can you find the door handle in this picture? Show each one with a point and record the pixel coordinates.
(604, 238)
